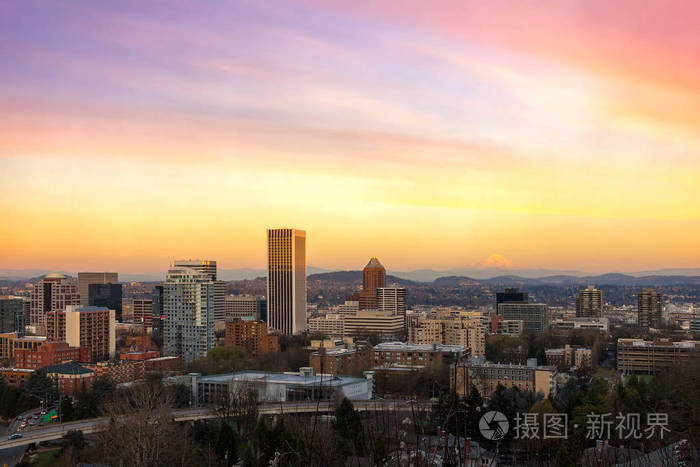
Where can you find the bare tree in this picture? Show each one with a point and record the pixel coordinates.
(141, 430)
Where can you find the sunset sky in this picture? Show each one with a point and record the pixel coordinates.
(561, 134)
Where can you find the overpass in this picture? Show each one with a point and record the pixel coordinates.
(94, 425)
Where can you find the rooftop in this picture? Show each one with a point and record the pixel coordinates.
(295, 378)
(70, 368)
(407, 347)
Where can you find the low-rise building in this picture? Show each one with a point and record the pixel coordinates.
(567, 323)
(486, 377)
(70, 377)
(51, 353)
(398, 354)
(637, 356)
(163, 365)
(386, 326)
(15, 376)
(251, 335)
(331, 325)
(122, 371)
(507, 327)
(340, 361)
(568, 356)
(304, 385)
(10, 341)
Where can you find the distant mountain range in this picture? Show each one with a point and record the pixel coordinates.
(524, 277)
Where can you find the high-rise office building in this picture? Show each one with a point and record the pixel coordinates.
(12, 315)
(649, 305)
(391, 300)
(589, 303)
(286, 280)
(373, 277)
(84, 326)
(208, 267)
(188, 306)
(242, 306)
(535, 316)
(106, 295)
(53, 292)
(87, 278)
(511, 295)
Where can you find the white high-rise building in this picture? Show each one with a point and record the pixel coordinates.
(208, 267)
(188, 305)
(286, 280)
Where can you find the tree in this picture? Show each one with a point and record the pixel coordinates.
(66, 408)
(73, 444)
(226, 444)
(86, 406)
(348, 424)
(102, 387)
(142, 430)
(41, 386)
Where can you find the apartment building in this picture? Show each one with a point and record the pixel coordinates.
(637, 356)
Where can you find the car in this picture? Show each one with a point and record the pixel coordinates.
(36, 417)
(43, 412)
(15, 436)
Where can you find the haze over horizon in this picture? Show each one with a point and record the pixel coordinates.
(562, 136)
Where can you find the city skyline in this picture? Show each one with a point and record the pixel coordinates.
(464, 134)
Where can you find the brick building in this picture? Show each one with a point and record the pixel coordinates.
(123, 371)
(51, 353)
(251, 335)
(486, 377)
(340, 361)
(650, 357)
(70, 377)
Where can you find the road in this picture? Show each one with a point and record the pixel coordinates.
(13, 455)
(94, 425)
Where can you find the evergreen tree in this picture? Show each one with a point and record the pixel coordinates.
(226, 444)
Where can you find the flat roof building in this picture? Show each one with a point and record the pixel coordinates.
(637, 356)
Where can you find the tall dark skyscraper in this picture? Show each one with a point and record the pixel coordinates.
(511, 295)
(106, 295)
(157, 306)
(373, 277)
(649, 306)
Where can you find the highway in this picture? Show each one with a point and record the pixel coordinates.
(94, 425)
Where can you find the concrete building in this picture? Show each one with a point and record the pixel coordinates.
(208, 267)
(535, 316)
(589, 303)
(331, 325)
(373, 278)
(349, 308)
(12, 314)
(89, 326)
(391, 300)
(51, 353)
(304, 385)
(251, 335)
(447, 328)
(143, 311)
(53, 293)
(286, 280)
(243, 306)
(637, 356)
(108, 296)
(367, 322)
(563, 324)
(188, 305)
(87, 278)
(487, 376)
(649, 307)
(506, 327)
